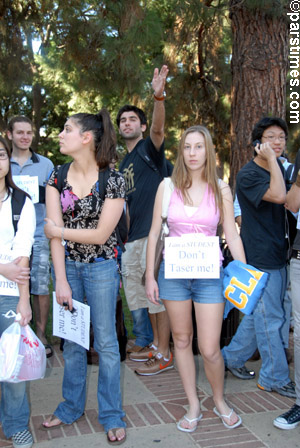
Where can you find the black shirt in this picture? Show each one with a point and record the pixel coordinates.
(263, 222)
(141, 186)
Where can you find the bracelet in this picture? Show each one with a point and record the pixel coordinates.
(159, 98)
(63, 242)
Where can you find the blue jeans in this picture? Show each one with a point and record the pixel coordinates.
(142, 327)
(14, 410)
(97, 282)
(263, 330)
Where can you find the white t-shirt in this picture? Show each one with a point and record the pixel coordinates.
(22, 242)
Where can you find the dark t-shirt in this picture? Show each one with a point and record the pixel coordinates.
(263, 222)
(296, 244)
(141, 186)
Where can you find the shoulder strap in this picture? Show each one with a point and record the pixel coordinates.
(102, 179)
(62, 174)
(17, 203)
(169, 188)
(143, 154)
(289, 172)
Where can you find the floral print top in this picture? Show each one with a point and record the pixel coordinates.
(84, 214)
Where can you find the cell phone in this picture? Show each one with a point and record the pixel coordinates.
(256, 142)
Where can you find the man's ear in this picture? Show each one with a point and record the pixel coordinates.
(143, 127)
(9, 135)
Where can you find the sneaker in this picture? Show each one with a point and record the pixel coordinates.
(288, 420)
(156, 365)
(134, 349)
(145, 354)
(286, 391)
(22, 439)
(242, 372)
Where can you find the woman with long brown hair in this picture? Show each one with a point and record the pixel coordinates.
(81, 226)
(198, 204)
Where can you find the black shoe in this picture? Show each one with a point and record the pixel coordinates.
(242, 372)
(286, 391)
(288, 420)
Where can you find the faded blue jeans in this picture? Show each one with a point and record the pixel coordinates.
(14, 410)
(262, 330)
(98, 282)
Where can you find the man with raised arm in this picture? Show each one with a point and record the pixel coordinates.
(144, 167)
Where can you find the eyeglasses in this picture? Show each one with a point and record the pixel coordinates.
(272, 138)
(3, 155)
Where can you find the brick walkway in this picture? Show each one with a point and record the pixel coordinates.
(168, 406)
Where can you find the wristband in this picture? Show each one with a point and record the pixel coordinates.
(63, 242)
(159, 98)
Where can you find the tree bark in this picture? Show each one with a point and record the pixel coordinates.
(259, 71)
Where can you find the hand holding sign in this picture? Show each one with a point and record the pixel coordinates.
(72, 326)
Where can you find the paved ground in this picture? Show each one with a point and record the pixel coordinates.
(153, 405)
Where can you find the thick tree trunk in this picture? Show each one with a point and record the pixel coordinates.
(259, 72)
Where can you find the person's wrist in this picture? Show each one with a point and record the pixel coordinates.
(159, 96)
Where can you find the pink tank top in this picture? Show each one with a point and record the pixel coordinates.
(205, 219)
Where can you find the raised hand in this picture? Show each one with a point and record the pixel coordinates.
(159, 80)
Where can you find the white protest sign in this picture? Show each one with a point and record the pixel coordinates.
(30, 184)
(7, 287)
(192, 256)
(72, 326)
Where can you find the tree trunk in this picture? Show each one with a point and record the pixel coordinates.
(259, 71)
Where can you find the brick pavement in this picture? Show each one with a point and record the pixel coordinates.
(168, 406)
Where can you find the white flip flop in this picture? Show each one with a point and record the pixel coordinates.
(190, 421)
(222, 416)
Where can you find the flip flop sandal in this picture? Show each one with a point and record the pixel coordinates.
(48, 428)
(115, 442)
(222, 416)
(190, 421)
(59, 425)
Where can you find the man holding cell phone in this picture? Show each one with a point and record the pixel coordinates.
(261, 193)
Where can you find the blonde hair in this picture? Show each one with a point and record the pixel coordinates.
(181, 176)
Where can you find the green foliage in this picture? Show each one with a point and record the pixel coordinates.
(102, 54)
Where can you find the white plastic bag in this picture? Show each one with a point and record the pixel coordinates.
(10, 360)
(22, 354)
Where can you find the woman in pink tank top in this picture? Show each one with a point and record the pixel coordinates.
(199, 202)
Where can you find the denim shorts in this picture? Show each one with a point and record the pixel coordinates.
(199, 290)
(40, 268)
